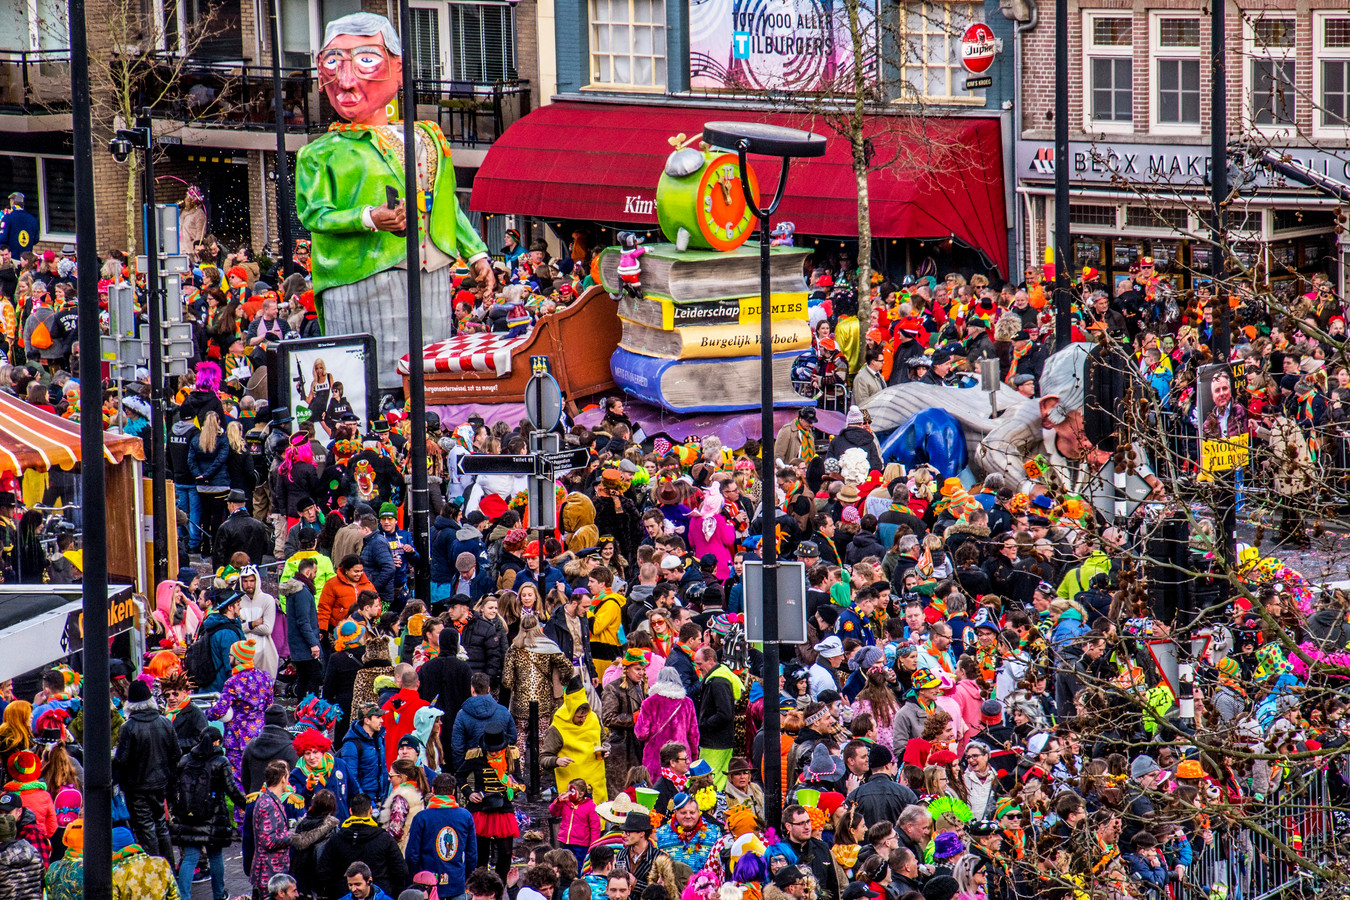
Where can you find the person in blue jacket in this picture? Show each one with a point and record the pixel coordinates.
(208, 456)
(379, 562)
(18, 227)
(479, 715)
(403, 552)
(441, 839)
(363, 752)
(537, 570)
(1147, 863)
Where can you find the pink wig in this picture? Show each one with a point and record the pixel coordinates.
(208, 376)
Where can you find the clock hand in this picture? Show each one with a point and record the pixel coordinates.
(726, 191)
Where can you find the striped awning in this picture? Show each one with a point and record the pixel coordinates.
(33, 439)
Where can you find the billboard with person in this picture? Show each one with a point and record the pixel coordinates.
(1225, 438)
(326, 378)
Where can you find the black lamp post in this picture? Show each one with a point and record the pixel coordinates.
(787, 144)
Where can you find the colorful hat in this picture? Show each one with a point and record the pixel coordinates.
(947, 844)
(316, 713)
(1190, 768)
(518, 315)
(700, 767)
(1005, 806)
(388, 510)
(24, 766)
(242, 653)
(925, 680)
(636, 656)
(74, 837)
(1229, 668)
(349, 634)
(309, 739)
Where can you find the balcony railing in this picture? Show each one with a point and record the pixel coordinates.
(34, 82)
(233, 94)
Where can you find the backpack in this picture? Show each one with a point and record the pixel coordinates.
(41, 338)
(200, 664)
(193, 800)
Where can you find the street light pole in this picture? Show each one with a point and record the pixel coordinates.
(283, 181)
(1063, 298)
(419, 498)
(786, 143)
(94, 585)
(155, 304)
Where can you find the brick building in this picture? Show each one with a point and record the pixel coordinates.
(1140, 83)
(212, 99)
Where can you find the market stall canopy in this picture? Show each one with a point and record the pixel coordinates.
(31, 438)
(41, 625)
(936, 177)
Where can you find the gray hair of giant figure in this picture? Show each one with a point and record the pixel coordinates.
(364, 24)
(1062, 378)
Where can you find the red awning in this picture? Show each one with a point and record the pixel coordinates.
(941, 177)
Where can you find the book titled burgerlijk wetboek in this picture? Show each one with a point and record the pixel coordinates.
(708, 385)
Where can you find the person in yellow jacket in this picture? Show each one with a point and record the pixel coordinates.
(606, 612)
(575, 744)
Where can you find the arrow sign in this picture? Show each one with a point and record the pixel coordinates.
(567, 459)
(495, 464)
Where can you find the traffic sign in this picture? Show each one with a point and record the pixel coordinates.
(791, 601)
(543, 401)
(978, 47)
(567, 459)
(496, 464)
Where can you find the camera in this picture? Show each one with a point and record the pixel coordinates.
(120, 148)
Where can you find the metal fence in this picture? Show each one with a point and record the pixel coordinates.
(1256, 863)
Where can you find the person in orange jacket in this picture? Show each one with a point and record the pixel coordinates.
(340, 591)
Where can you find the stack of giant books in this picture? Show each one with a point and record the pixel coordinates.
(691, 342)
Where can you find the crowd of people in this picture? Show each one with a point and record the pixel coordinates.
(975, 713)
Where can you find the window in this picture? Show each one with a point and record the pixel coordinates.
(484, 38)
(48, 186)
(1331, 50)
(1176, 71)
(628, 43)
(1165, 218)
(1092, 214)
(930, 63)
(1108, 43)
(1271, 72)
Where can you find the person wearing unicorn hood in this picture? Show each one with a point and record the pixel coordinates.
(258, 614)
(244, 697)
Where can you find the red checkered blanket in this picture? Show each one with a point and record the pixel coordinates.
(469, 353)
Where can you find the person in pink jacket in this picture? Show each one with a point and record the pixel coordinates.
(712, 529)
(666, 715)
(580, 826)
(967, 695)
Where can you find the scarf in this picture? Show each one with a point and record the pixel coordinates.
(316, 777)
(128, 851)
(806, 434)
(939, 656)
(20, 787)
(897, 506)
(833, 549)
(690, 835)
(173, 711)
(1017, 838)
(360, 820)
(442, 801)
(1012, 366)
(987, 661)
(846, 855)
(1232, 684)
(677, 779)
(928, 708)
(497, 762)
(684, 648)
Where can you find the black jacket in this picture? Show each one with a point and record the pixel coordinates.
(188, 725)
(147, 750)
(303, 482)
(240, 531)
(857, 436)
(557, 631)
(680, 662)
(881, 798)
(863, 545)
(485, 644)
(369, 844)
(716, 713)
(181, 435)
(273, 742)
(444, 682)
(212, 827)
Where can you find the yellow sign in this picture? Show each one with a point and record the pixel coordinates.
(655, 311)
(1224, 455)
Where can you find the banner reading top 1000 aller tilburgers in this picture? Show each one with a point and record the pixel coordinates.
(789, 45)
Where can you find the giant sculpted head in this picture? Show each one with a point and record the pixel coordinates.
(361, 67)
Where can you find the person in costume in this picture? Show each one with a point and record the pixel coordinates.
(318, 769)
(342, 181)
(573, 746)
(442, 841)
(245, 697)
(489, 783)
(258, 613)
